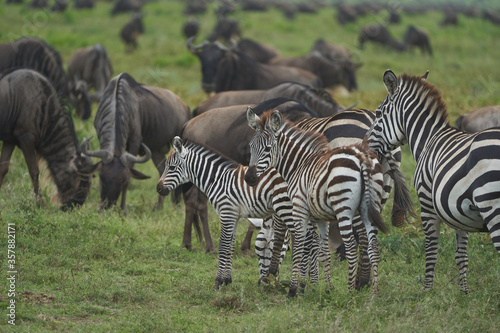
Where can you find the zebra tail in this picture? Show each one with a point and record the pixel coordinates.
(403, 204)
(370, 195)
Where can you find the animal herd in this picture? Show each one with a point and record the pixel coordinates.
(269, 143)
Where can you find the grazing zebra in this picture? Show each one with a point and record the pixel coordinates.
(457, 174)
(222, 181)
(325, 184)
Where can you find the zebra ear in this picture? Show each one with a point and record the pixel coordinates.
(177, 143)
(424, 77)
(276, 121)
(391, 82)
(253, 119)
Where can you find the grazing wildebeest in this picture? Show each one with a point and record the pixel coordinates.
(131, 31)
(330, 72)
(479, 119)
(226, 68)
(34, 53)
(318, 100)
(32, 118)
(123, 6)
(92, 65)
(450, 17)
(191, 28)
(213, 129)
(257, 51)
(346, 13)
(195, 7)
(378, 33)
(131, 114)
(416, 37)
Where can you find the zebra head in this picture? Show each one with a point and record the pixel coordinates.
(388, 130)
(175, 172)
(263, 146)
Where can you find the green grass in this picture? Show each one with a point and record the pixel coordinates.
(91, 271)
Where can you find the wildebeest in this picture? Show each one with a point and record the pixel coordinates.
(226, 68)
(81, 4)
(191, 28)
(378, 33)
(34, 53)
(346, 13)
(318, 100)
(123, 6)
(213, 129)
(226, 29)
(131, 114)
(32, 118)
(331, 72)
(131, 31)
(479, 119)
(450, 17)
(92, 65)
(492, 16)
(39, 3)
(417, 37)
(59, 6)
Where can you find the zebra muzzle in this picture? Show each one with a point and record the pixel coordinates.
(162, 190)
(251, 177)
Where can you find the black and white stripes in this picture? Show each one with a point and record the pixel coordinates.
(457, 177)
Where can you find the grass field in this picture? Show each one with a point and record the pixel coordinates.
(91, 271)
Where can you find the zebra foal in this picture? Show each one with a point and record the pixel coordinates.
(324, 184)
(222, 181)
(457, 177)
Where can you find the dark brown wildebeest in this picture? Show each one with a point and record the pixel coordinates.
(378, 33)
(346, 13)
(450, 17)
(34, 53)
(92, 65)
(39, 3)
(257, 51)
(318, 100)
(331, 72)
(254, 5)
(131, 114)
(479, 119)
(492, 16)
(32, 118)
(131, 31)
(226, 29)
(84, 4)
(59, 6)
(123, 6)
(213, 129)
(226, 68)
(416, 37)
(195, 7)
(191, 28)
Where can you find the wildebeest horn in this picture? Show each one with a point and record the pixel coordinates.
(129, 158)
(192, 48)
(222, 46)
(105, 155)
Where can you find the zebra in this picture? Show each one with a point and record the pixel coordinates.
(325, 184)
(457, 174)
(222, 181)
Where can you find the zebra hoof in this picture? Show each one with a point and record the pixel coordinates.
(264, 281)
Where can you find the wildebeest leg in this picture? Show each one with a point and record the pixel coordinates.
(5, 156)
(28, 148)
(122, 203)
(159, 161)
(247, 241)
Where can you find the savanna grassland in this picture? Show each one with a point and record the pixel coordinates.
(100, 271)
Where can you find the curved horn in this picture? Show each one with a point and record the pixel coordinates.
(192, 48)
(127, 158)
(105, 155)
(222, 46)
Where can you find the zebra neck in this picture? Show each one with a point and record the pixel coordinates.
(205, 169)
(422, 124)
(292, 154)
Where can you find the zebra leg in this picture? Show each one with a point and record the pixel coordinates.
(263, 249)
(300, 232)
(345, 225)
(278, 247)
(461, 258)
(431, 225)
(311, 254)
(374, 254)
(364, 267)
(325, 256)
(226, 247)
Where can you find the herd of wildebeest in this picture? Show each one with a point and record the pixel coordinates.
(136, 122)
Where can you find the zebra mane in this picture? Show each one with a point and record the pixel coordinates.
(220, 158)
(313, 141)
(428, 91)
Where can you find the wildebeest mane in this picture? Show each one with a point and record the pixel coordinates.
(292, 109)
(232, 69)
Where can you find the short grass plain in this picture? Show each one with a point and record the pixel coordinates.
(99, 271)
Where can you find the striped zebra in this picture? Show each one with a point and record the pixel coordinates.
(457, 176)
(222, 181)
(325, 184)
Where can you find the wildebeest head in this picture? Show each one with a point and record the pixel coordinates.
(115, 172)
(82, 169)
(80, 99)
(210, 54)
